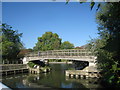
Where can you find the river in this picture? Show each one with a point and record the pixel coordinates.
(54, 79)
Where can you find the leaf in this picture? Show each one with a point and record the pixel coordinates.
(114, 67)
(67, 1)
(98, 6)
(118, 68)
(81, 2)
(109, 14)
(92, 4)
(111, 77)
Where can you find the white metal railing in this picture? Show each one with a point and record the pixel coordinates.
(61, 53)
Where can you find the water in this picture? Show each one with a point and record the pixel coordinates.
(54, 79)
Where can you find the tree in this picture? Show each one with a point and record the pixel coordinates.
(67, 45)
(107, 46)
(11, 43)
(48, 41)
(109, 29)
(92, 3)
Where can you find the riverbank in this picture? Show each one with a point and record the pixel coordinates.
(60, 62)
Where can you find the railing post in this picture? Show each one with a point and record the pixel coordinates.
(3, 62)
(47, 53)
(77, 52)
(8, 62)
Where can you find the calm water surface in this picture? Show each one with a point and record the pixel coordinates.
(54, 79)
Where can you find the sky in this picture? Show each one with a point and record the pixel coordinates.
(73, 22)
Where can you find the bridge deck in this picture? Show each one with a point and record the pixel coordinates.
(68, 54)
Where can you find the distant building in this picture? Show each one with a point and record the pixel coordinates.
(23, 52)
(81, 47)
(78, 47)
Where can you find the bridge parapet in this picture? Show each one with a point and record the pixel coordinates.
(67, 54)
(64, 52)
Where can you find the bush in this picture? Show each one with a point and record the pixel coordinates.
(31, 64)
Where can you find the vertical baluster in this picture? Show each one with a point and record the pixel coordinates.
(70, 52)
(77, 52)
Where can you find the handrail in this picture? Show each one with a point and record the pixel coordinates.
(64, 52)
(13, 66)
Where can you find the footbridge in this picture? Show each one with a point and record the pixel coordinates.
(66, 54)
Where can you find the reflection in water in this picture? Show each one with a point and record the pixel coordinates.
(68, 85)
(87, 83)
(54, 79)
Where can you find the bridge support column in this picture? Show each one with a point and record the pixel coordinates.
(76, 76)
(67, 73)
(86, 76)
(46, 61)
(71, 75)
(92, 64)
(25, 60)
(81, 76)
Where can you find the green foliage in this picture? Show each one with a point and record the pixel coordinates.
(67, 1)
(98, 6)
(92, 4)
(51, 41)
(57, 60)
(48, 41)
(107, 46)
(31, 64)
(63, 60)
(11, 43)
(71, 68)
(54, 60)
(80, 1)
(67, 45)
(46, 67)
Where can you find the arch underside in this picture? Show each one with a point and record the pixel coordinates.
(75, 59)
